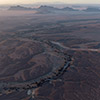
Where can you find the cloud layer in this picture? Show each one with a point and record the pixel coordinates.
(51, 1)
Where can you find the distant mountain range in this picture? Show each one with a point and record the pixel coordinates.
(42, 8)
(92, 9)
(19, 8)
(49, 9)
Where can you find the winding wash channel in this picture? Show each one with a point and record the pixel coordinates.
(16, 86)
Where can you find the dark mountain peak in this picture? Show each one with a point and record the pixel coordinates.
(47, 7)
(69, 9)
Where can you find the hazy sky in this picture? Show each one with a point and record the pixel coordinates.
(51, 1)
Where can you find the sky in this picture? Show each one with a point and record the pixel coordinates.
(50, 1)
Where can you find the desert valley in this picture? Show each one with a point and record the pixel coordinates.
(49, 53)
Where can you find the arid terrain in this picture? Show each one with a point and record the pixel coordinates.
(49, 56)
